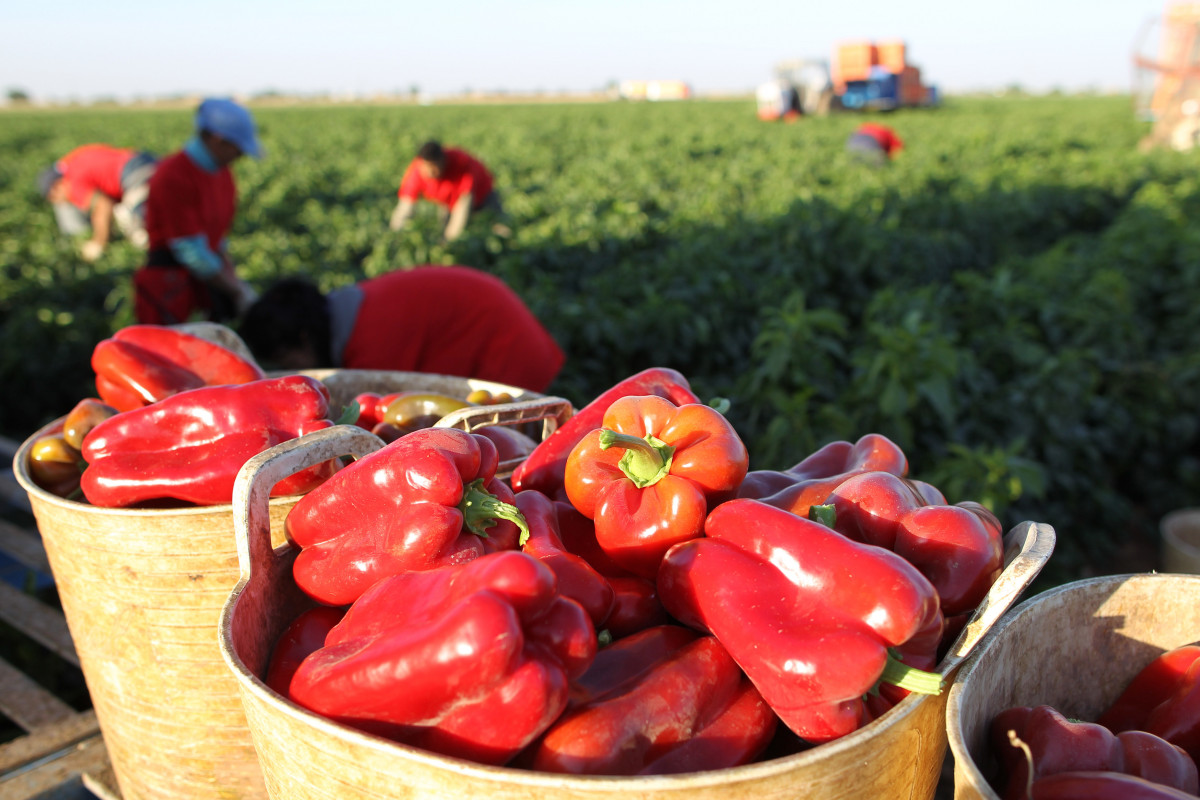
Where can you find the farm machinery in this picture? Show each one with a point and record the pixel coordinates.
(864, 76)
(1167, 82)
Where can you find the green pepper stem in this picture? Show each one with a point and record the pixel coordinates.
(646, 461)
(825, 514)
(918, 681)
(480, 509)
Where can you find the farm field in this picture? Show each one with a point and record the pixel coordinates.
(1015, 301)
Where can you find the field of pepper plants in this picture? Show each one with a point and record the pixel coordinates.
(1015, 301)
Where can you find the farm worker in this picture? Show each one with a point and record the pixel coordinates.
(188, 216)
(95, 185)
(874, 143)
(445, 320)
(455, 180)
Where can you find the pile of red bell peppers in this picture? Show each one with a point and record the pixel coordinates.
(1145, 745)
(633, 600)
(176, 418)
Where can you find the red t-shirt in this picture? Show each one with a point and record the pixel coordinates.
(886, 137)
(451, 321)
(463, 173)
(185, 201)
(93, 168)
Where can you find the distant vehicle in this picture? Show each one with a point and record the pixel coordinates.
(865, 76)
(654, 90)
(1167, 78)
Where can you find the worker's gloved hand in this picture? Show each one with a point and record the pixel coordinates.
(139, 238)
(91, 250)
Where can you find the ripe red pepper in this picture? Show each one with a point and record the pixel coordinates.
(577, 578)
(635, 604)
(303, 637)
(1163, 699)
(190, 446)
(810, 482)
(663, 701)
(545, 467)
(958, 548)
(429, 499)
(142, 364)
(471, 660)
(808, 614)
(648, 476)
(1042, 738)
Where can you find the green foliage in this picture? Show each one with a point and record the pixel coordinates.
(1014, 300)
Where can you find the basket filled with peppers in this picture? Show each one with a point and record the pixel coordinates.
(1089, 690)
(132, 494)
(625, 614)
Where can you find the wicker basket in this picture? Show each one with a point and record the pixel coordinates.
(1075, 648)
(305, 756)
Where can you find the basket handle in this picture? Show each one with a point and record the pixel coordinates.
(1027, 548)
(256, 478)
(552, 411)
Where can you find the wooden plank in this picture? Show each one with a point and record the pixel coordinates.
(26, 703)
(37, 621)
(86, 757)
(23, 546)
(47, 741)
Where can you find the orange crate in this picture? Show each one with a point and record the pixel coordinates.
(854, 61)
(892, 56)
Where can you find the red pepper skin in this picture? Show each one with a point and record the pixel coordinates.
(511, 444)
(368, 412)
(953, 546)
(190, 446)
(663, 701)
(304, 636)
(471, 660)
(1156, 683)
(546, 466)
(426, 500)
(1058, 745)
(142, 364)
(1103, 786)
(810, 482)
(641, 510)
(576, 578)
(807, 613)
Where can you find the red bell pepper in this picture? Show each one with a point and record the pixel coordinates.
(190, 446)
(808, 614)
(577, 578)
(429, 499)
(1163, 699)
(547, 464)
(303, 637)
(1041, 739)
(142, 364)
(810, 482)
(635, 603)
(1103, 786)
(648, 476)
(958, 548)
(663, 701)
(471, 660)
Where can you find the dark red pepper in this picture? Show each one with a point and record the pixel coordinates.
(810, 482)
(431, 498)
(955, 547)
(1163, 699)
(543, 470)
(1042, 737)
(471, 660)
(303, 637)
(662, 701)
(1103, 786)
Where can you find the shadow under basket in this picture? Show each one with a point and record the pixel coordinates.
(305, 756)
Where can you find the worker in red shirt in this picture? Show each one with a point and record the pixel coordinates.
(189, 213)
(874, 143)
(445, 320)
(455, 180)
(95, 185)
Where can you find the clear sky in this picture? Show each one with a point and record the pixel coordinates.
(130, 48)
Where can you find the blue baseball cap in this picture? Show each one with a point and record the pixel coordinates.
(231, 122)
